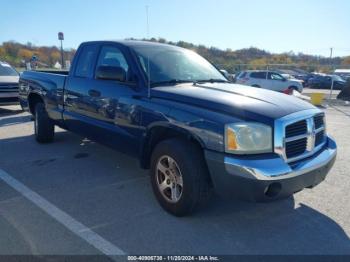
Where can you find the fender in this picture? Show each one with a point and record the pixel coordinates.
(159, 131)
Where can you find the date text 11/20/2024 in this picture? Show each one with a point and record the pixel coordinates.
(173, 258)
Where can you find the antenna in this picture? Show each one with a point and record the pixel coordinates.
(148, 68)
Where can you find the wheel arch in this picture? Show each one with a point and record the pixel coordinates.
(33, 99)
(161, 132)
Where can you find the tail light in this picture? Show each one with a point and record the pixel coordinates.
(288, 91)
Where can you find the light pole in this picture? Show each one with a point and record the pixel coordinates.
(61, 38)
(332, 83)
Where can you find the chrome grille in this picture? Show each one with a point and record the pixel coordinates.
(319, 139)
(296, 129)
(319, 121)
(296, 147)
(300, 135)
(4, 87)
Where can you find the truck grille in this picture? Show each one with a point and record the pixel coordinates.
(296, 129)
(8, 87)
(296, 147)
(319, 138)
(303, 137)
(318, 120)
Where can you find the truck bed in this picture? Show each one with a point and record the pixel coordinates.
(47, 84)
(45, 80)
(56, 72)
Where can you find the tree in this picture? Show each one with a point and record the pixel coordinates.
(25, 54)
(2, 52)
(346, 61)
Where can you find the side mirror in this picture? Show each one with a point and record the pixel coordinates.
(228, 76)
(224, 72)
(284, 80)
(116, 73)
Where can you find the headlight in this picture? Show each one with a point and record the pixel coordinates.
(248, 138)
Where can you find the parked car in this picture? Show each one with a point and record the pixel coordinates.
(229, 77)
(8, 84)
(269, 80)
(325, 82)
(305, 78)
(343, 73)
(184, 121)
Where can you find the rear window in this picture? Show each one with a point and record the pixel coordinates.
(260, 75)
(7, 70)
(86, 60)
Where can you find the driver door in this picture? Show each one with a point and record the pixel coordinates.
(116, 118)
(277, 82)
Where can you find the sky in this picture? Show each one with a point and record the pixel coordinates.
(307, 26)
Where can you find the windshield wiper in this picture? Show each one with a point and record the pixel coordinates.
(211, 80)
(171, 82)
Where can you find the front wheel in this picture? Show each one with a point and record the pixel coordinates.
(44, 128)
(293, 88)
(179, 176)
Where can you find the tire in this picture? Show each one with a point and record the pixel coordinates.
(190, 168)
(257, 86)
(44, 128)
(294, 88)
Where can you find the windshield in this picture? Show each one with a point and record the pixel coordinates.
(7, 70)
(172, 64)
(337, 78)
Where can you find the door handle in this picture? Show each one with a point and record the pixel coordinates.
(94, 93)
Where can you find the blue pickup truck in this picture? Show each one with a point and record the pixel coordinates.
(175, 112)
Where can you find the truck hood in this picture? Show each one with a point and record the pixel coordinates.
(236, 100)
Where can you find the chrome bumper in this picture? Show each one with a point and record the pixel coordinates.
(275, 168)
(268, 177)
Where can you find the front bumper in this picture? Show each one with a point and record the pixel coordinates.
(268, 177)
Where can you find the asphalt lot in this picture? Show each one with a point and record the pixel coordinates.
(106, 193)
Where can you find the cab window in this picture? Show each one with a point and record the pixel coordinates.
(86, 60)
(112, 56)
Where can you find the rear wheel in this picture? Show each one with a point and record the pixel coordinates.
(293, 88)
(44, 128)
(257, 86)
(179, 176)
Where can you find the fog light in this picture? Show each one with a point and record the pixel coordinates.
(273, 189)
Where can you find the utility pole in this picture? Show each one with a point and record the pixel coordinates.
(61, 38)
(148, 63)
(332, 66)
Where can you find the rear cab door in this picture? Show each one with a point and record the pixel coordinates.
(258, 79)
(77, 105)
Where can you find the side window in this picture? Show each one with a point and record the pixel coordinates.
(86, 59)
(275, 76)
(260, 75)
(112, 56)
(253, 75)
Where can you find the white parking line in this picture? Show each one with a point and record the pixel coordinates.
(70, 223)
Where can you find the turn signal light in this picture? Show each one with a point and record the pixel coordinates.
(231, 140)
